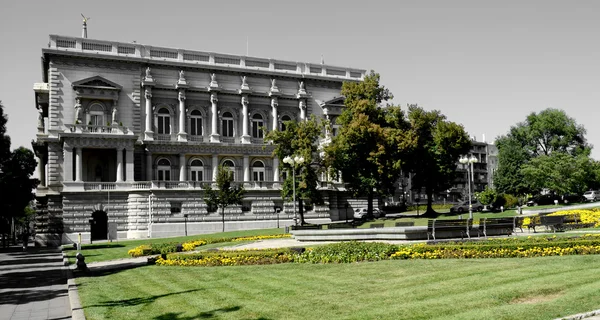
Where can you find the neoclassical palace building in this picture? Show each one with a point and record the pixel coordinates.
(129, 134)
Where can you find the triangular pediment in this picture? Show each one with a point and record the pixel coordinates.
(337, 101)
(97, 82)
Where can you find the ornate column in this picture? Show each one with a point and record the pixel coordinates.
(148, 165)
(246, 168)
(274, 104)
(215, 166)
(182, 167)
(129, 164)
(79, 164)
(148, 83)
(41, 167)
(214, 136)
(302, 95)
(40, 125)
(119, 165)
(302, 106)
(181, 86)
(245, 135)
(67, 163)
(275, 169)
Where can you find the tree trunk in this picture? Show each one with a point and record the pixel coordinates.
(430, 212)
(301, 211)
(223, 217)
(370, 204)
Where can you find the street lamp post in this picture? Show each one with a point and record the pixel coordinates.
(469, 162)
(296, 160)
(185, 216)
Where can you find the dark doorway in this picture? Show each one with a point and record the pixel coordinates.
(99, 225)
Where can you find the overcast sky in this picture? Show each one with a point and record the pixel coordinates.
(484, 64)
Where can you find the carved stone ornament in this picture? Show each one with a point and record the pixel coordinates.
(274, 90)
(274, 102)
(245, 100)
(148, 93)
(301, 89)
(181, 96)
(148, 73)
(114, 115)
(40, 125)
(214, 98)
(182, 75)
(213, 81)
(302, 105)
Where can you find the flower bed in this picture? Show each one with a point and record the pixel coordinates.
(349, 252)
(227, 258)
(170, 247)
(589, 217)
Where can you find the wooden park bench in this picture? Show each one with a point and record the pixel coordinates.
(376, 225)
(340, 226)
(534, 221)
(553, 222)
(405, 224)
(462, 226)
(506, 225)
(307, 227)
(517, 223)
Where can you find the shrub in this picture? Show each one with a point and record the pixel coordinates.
(510, 201)
(227, 258)
(140, 251)
(344, 252)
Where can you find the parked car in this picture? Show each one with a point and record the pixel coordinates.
(543, 199)
(592, 195)
(361, 213)
(464, 207)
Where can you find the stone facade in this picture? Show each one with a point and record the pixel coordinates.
(129, 135)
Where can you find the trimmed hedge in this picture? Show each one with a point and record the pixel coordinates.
(227, 258)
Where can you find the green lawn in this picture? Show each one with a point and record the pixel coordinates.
(528, 288)
(118, 250)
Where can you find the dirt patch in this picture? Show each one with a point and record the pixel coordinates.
(537, 298)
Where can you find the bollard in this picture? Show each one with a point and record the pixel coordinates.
(81, 266)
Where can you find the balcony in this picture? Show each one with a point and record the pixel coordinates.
(93, 129)
(209, 59)
(164, 137)
(75, 186)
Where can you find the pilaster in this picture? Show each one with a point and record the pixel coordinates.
(214, 136)
(245, 135)
(246, 168)
(67, 163)
(129, 165)
(182, 167)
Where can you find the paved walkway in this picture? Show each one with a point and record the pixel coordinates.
(33, 284)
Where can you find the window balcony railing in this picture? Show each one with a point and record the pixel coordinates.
(228, 140)
(93, 129)
(257, 140)
(163, 137)
(196, 138)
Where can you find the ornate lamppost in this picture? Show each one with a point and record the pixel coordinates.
(469, 162)
(293, 162)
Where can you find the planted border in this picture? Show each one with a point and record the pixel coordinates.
(171, 247)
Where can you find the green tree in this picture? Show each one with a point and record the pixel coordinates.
(226, 193)
(4, 139)
(560, 172)
(440, 143)
(540, 135)
(300, 139)
(373, 141)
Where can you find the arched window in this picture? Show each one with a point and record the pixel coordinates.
(164, 121)
(196, 123)
(227, 125)
(197, 170)
(164, 170)
(96, 114)
(228, 164)
(257, 123)
(283, 120)
(258, 171)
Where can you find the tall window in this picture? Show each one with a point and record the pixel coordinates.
(196, 123)
(283, 120)
(227, 124)
(96, 112)
(197, 170)
(164, 121)
(258, 171)
(164, 170)
(257, 123)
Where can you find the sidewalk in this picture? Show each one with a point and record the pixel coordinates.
(33, 284)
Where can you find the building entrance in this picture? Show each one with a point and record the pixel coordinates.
(99, 228)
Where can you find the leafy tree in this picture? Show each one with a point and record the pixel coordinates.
(226, 193)
(560, 172)
(300, 139)
(16, 184)
(440, 143)
(490, 196)
(373, 141)
(540, 135)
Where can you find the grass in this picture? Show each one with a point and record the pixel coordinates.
(528, 288)
(118, 250)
